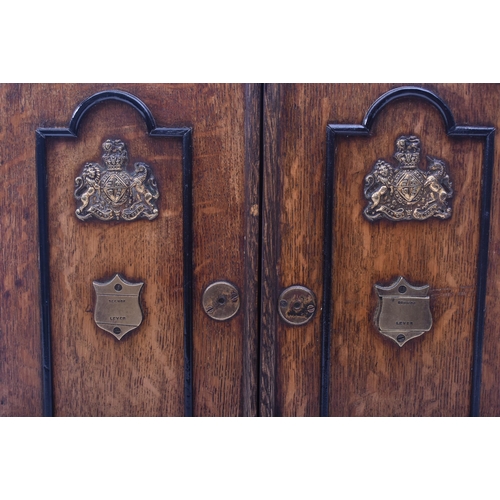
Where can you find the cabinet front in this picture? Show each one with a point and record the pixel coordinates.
(246, 250)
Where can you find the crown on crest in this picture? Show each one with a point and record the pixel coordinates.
(115, 154)
(407, 151)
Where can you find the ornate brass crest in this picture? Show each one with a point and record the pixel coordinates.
(111, 192)
(117, 308)
(403, 311)
(405, 192)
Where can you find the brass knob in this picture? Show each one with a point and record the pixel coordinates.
(297, 305)
(221, 300)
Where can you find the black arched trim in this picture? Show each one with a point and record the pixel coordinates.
(111, 95)
(409, 92)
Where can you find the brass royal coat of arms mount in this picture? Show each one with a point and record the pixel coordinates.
(113, 193)
(406, 192)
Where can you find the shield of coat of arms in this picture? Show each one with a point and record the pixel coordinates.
(117, 308)
(403, 311)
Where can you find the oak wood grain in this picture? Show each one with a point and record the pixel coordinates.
(270, 252)
(20, 355)
(251, 310)
(224, 164)
(293, 186)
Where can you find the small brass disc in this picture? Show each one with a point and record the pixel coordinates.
(297, 305)
(221, 300)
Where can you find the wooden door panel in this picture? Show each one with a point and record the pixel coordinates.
(94, 373)
(226, 138)
(363, 373)
(430, 375)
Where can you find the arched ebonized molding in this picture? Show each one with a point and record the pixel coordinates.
(452, 130)
(111, 95)
(184, 133)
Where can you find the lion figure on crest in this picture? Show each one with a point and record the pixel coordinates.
(378, 183)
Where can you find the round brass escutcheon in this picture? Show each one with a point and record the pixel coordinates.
(221, 300)
(297, 305)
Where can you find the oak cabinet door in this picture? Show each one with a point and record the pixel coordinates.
(321, 143)
(193, 221)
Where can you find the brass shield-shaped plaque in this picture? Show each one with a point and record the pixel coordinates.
(117, 308)
(403, 311)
